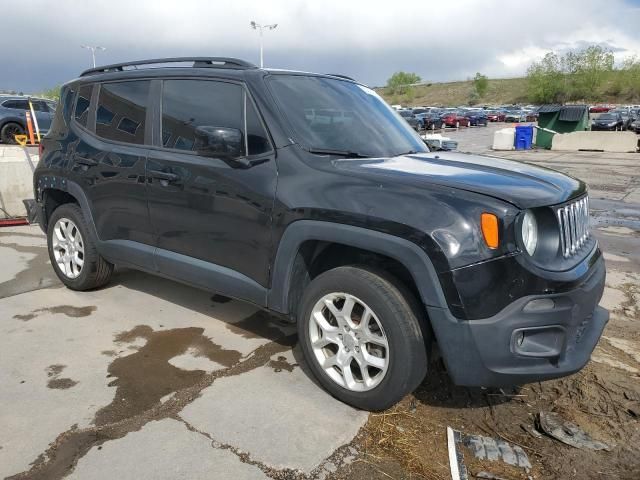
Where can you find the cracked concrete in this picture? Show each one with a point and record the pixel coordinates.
(146, 379)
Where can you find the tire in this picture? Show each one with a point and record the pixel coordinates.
(394, 310)
(95, 271)
(8, 132)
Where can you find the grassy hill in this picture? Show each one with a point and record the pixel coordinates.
(500, 91)
(503, 91)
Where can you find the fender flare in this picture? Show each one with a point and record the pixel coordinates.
(415, 260)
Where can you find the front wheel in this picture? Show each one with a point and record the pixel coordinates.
(361, 335)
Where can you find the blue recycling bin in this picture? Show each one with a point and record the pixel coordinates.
(524, 137)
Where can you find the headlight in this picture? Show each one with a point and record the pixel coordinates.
(529, 233)
(612, 124)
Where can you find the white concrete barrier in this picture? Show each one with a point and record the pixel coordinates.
(16, 179)
(504, 139)
(621, 142)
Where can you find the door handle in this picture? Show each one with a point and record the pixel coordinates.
(166, 176)
(86, 161)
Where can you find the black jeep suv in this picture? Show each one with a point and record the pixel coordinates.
(309, 196)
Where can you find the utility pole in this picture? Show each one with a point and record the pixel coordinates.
(93, 52)
(260, 28)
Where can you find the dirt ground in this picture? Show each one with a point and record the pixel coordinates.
(410, 441)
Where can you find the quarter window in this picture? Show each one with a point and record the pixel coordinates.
(121, 112)
(82, 104)
(193, 108)
(257, 141)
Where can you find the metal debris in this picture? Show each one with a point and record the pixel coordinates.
(485, 448)
(553, 425)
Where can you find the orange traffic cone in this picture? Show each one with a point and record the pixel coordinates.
(32, 140)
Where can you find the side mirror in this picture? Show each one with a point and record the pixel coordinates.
(219, 142)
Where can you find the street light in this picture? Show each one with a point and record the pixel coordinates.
(93, 52)
(257, 26)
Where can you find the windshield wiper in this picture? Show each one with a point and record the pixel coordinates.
(341, 153)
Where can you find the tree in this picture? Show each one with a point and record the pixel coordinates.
(545, 80)
(51, 93)
(589, 70)
(480, 84)
(400, 82)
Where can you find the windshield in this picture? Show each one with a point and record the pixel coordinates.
(607, 117)
(331, 114)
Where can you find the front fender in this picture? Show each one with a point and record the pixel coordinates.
(407, 253)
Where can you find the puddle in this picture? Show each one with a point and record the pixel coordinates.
(281, 364)
(68, 310)
(143, 378)
(56, 383)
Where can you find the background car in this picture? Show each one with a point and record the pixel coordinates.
(13, 119)
(411, 119)
(608, 121)
(477, 118)
(455, 118)
(429, 121)
(515, 116)
(495, 115)
(598, 109)
(626, 117)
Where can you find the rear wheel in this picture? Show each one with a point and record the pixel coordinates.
(72, 250)
(9, 132)
(361, 335)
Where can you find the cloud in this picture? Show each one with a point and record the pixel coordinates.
(368, 40)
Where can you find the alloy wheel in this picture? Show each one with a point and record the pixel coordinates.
(348, 342)
(68, 247)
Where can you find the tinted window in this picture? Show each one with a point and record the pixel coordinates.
(67, 102)
(17, 104)
(82, 104)
(39, 106)
(257, 141)
(190, 108)
(121, 112)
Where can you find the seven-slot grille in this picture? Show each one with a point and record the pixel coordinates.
(573, 220)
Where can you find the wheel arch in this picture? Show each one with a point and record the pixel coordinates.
(305, 241)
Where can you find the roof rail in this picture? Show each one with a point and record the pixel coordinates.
(198, 62)
(341, 76)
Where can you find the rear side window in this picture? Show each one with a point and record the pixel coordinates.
(189, 106)
(16, 104)
(82, 104)
(122, 110)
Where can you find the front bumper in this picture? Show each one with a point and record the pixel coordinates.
(526, 341)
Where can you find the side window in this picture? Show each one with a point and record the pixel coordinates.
(16, 104)
(122, 109)
(82, 104)
(39, 106)
(257, 140)
(194, 112)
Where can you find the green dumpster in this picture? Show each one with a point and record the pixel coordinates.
(560, 119)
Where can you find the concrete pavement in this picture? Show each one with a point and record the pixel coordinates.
(148, 378)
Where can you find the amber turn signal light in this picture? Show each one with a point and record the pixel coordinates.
(489, 223)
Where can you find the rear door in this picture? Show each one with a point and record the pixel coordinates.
(211, 209)
(108, 159)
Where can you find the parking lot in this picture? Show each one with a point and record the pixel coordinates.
(148, 378)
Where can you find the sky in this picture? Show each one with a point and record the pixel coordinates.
(367, 40)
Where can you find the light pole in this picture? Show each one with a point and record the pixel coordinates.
(259, 27)
(93, 52)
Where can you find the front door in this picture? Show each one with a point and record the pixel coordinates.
(211, 182)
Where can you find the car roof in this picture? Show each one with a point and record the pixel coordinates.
(226, 67)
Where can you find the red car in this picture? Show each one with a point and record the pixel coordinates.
(495, 116)
(599, 109)
(455, 119)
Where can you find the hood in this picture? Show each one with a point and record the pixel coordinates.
(518, 183)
